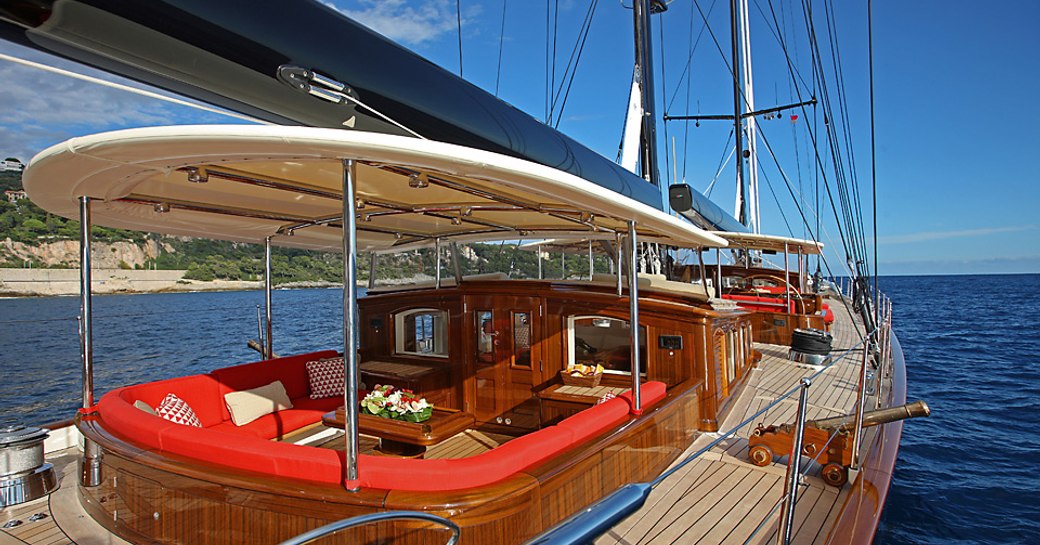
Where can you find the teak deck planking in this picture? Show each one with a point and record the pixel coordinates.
(722, 498)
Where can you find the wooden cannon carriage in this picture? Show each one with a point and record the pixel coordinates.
(768, 441)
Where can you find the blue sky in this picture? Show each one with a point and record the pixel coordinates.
(954, 81)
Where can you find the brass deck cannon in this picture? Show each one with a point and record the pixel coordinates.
(767, 441)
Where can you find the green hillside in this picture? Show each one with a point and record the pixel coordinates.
(205, 259)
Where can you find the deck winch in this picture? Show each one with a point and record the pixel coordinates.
(810, 346)
(768, 441)
(24, 476)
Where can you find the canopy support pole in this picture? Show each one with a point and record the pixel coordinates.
(700, 261)
(801, 271)
(592, 263)
(619, 247)
(350, 320)
(787, 279)
(90, 464)
(718, 273)
(633, 311)
(372, 270)
(437, 260)
(456, 263)
(269, 344)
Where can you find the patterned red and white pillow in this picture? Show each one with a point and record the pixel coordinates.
(178, 411)
(326, 377)
(606, 397)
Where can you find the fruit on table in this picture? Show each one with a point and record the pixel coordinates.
(584, 370)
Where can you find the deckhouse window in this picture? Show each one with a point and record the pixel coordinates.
(422, 332)
(605, 341)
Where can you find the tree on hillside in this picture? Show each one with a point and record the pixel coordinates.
(10, 181)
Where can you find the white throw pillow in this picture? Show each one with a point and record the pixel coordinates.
(145, 407)
(248, 405)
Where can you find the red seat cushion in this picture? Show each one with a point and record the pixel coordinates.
(129, 422)
(305, 411)
(290, 370)
(200, 392)
(324, 405)
(649, 393)
(256, 455)
(596, 419)
(768, 304)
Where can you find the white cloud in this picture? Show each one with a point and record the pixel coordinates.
(42, 108)
(926, 236)
(404, 22)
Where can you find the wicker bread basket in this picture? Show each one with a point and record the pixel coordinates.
(587, 381)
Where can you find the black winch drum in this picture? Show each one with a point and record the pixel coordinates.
(810, 346)
(24, 476)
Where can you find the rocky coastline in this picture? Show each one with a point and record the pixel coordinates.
(37, 282)
(56, 282)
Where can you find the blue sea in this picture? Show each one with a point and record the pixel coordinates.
(966, 475)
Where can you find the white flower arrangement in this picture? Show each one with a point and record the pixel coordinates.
(396, 404)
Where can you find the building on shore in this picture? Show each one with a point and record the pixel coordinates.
(11, 165)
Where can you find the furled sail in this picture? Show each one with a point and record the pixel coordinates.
(230, 53)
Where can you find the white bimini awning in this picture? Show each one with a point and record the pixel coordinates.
(246, 183)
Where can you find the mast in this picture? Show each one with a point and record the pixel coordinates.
(754, 213)
(641, 11)
(740, 206)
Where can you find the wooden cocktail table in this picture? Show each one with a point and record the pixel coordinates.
(406, 439)
(558, 401)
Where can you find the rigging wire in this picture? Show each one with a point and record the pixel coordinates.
(797, 76)
(39, 321)
(814, 236)
(873, 149)
(779, 208)
(723, 161)
(790, 96)
(687, 72)
(854, 195)
(664, 85)
(552, 65)
(689, 84)
(850, 246)
(548, 84)
(129, 89)
(572, 64)
(845, 194)
(458, 19)
(103, 316)
(501, 40)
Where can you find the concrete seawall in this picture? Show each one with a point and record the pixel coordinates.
(32, 282)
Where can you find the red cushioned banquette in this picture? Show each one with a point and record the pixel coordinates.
(242, 448)
(765, 304)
